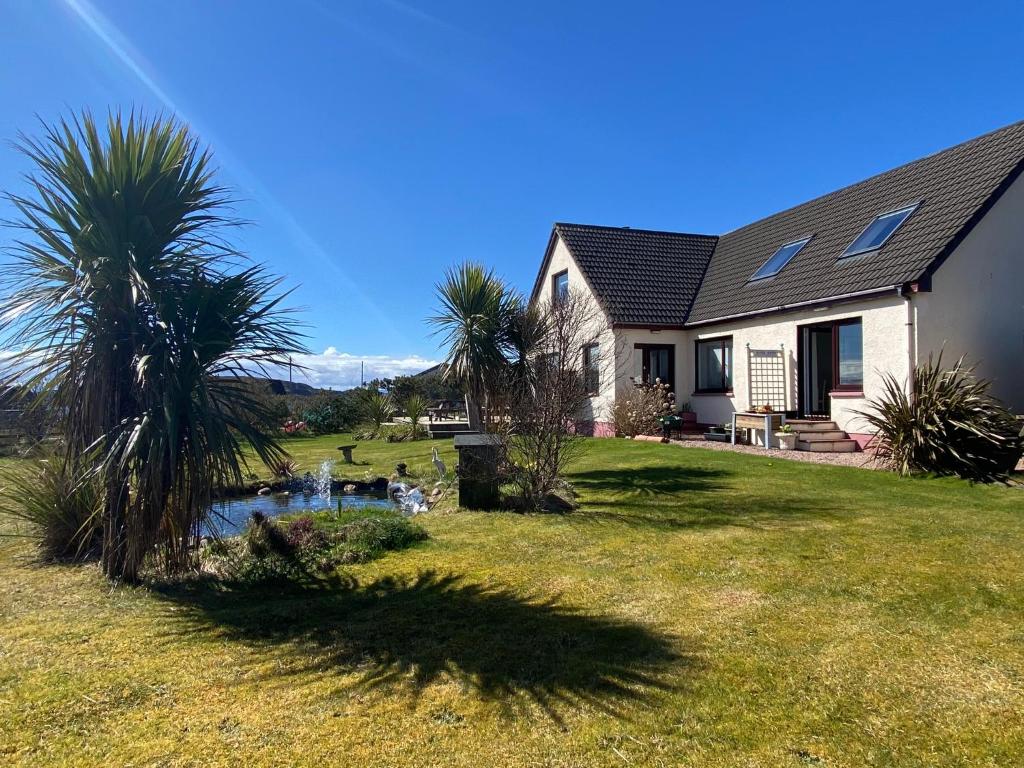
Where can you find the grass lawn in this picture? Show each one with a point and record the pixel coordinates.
(702, 608)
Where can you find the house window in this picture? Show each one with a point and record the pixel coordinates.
(560, 287)
(780, 259)
(591, 369)
(878, 231)
(714, 365)
(848, 341)
(657, 362)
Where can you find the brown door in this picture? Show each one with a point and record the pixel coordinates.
(817, 377)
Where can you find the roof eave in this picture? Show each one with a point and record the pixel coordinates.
(899, 288)
(649, 326)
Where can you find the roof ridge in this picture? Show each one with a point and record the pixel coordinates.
(874, 176)
(633, 229)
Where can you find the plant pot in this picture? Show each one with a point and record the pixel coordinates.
(716, 437)
(787, 440)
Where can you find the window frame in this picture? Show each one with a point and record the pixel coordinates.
(556, 295)
(645, 362)
(727, 386)
(800, 241)
(591, 354)
(836, 385)
(907, 210)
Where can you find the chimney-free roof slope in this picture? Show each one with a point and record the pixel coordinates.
(954, 188)
(650, 278)
(640, 276)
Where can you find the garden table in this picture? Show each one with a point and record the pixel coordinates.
(769, 422)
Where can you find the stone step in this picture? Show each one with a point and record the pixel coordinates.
(814, 437)
(808, 425)
(827, 446)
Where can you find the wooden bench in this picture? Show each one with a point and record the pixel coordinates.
(346, 452)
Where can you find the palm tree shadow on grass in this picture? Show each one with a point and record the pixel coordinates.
(413, 632)
(688, 497)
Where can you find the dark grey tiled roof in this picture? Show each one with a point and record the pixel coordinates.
(664, 278)
(953, 187)
(640, 276)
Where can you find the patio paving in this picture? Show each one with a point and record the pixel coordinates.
(860, 459)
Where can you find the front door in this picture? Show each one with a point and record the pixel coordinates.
(817, 378)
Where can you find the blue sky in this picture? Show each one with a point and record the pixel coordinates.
(376, 142)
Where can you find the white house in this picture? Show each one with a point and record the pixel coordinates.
(805, 310)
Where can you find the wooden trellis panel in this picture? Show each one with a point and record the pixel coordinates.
(767, 376)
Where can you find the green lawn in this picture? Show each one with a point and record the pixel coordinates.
(702, 608)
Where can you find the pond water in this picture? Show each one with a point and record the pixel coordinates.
(232, 515)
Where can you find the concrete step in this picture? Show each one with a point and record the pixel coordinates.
(827, 446)
(814, 437)
(808, 425)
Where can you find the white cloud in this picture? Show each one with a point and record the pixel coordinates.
(341, 370)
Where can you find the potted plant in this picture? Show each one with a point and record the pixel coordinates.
(786, 437)
(718, 433)
(686, 414)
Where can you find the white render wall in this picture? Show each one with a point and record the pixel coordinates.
(976, 303)
(886, 349)
(599, 409)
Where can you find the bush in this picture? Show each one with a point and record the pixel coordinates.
(57, 503)
(332, 413)
(638, 411)
(369, 537)
(389, 433)
(415, 409)
(308, 546)
(284, 467)
(377, 407)
(950, 425)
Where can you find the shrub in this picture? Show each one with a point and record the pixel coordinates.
(302, 534)
(369, 537)
(415, 409)
(58, 504)
(307, 547)
(332, 413)
(378, 407)
(283, 467)
(949, 425)
(638, 411)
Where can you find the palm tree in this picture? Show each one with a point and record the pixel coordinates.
(475, 305)
(415, 408)
(378, 406)
(128, 309)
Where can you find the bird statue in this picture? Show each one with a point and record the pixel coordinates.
(442, 470)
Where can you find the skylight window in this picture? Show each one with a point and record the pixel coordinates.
(780, 259)
(878, 231)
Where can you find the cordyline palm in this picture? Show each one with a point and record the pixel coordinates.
(475, 307)
(122, 313)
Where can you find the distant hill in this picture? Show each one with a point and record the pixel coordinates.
(281, 387)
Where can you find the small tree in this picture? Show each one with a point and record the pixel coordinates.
(415, 409)
(546, 392)
(378, 407)
(137, 322)
(475, 311)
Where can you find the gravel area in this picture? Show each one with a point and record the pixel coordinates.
(860, 459)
